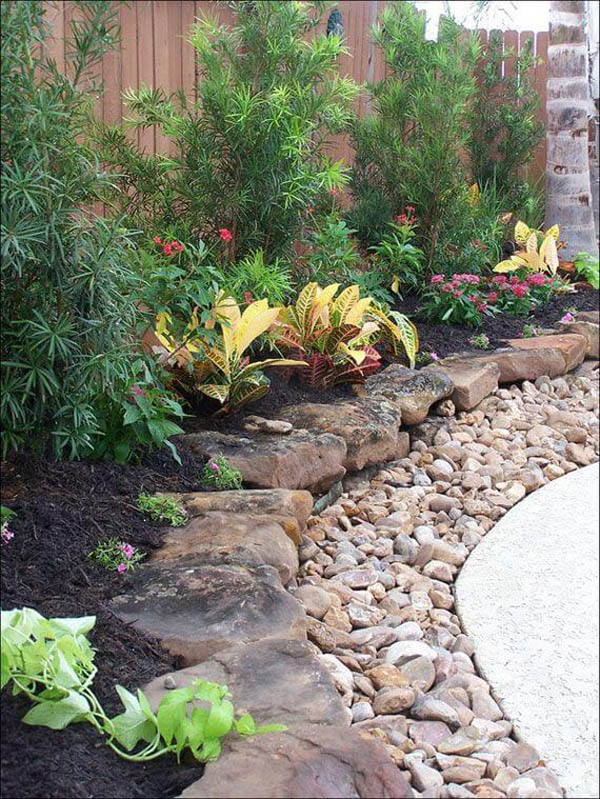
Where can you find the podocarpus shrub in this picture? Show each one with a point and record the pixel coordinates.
(408, 150)
(68, 310)
(248, 156)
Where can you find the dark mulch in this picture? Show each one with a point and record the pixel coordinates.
(445, 339)
(281, 392)
(63, 510)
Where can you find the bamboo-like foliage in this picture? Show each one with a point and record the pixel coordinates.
(408, 150)
(248, 153)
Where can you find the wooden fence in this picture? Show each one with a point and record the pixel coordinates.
(153, 52)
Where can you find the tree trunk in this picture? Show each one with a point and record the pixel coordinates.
(568, 191)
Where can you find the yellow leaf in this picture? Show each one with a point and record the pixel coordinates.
(346, 301)
(549, 254)
(356, 313)
(395, 284)
(522, 232)
(553, 231)
(510, 265)
(473, 194)
(531, 246)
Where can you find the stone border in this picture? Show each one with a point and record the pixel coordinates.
(399, 394)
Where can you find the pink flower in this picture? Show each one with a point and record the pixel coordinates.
(482, 306)
(214, 466)
(492, 296)
(121, 568)
(536, 280)
(5, 533)
(520, 290)
(167, 249)
(457, 294)
(437, 279)
(157, 240)
(473, 298)
(248, 296)
(447, 288)
(225, 234)
(127, 550)
(434, 356)
(514, 280)
(568, 317)
(499, 280)
(139, 391)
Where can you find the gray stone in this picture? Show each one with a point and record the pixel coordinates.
(414, 392)
(420, 672)
(197, 611)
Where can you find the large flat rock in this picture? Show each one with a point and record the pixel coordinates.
(279, 681)
(590, 331)
(305, 761)
(530, 358)
(196, 611)
(370, 427)
(570, 345)
(274, 501)
(473, 380)
(301, 459)
(413, 391)
(230, 538)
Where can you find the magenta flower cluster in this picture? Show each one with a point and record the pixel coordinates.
(128, 552)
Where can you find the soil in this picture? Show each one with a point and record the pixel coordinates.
(66, 509)
(447, 339)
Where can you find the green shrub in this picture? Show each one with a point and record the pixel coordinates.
(504, 130)
(68, 291)
(248, 157)
(253, 279)
(398, 261)
(331, 253)
(408, 150)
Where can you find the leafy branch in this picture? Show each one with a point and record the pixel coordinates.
(51, 662)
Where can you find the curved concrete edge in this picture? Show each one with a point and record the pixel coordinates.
(528, 597)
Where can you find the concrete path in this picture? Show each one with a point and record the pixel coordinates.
(528, 596)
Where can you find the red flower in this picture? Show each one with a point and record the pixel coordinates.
(167, 249)
(157, 240)
(225, 234)
(520, 290)
(248, 297)
(514, 280)
(492, 297)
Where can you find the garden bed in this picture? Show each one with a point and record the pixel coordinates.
(446, 339)
(63, 510)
